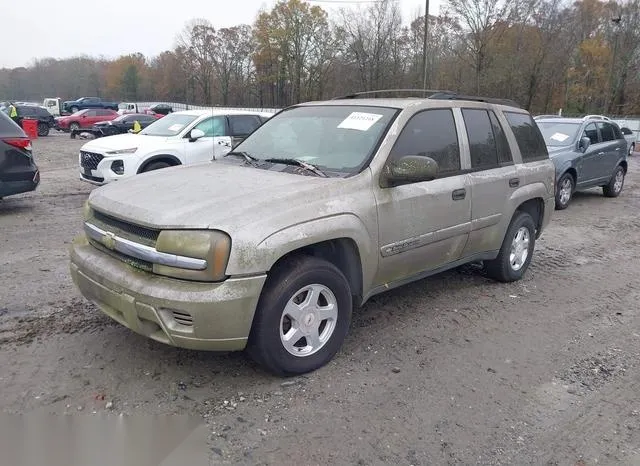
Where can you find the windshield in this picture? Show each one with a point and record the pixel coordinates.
(170, 125)
(558, 134)
(334, 138)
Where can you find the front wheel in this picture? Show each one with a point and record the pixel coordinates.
(614, 188)
(564, 191)
(302, 317)
(155, 166)
(632, 148)
(43, 129)
(74, 126)
(516, 251)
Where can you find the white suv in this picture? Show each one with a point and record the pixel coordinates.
(181, 138)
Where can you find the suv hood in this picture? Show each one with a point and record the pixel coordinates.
(557, 150)
(119, 142)
(219, 195)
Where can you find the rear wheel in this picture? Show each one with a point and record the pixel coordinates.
(74, 109)
(155, 166)
(74, 126)
(614, 188)
(302, 317)
(516, 251)
(43, 129)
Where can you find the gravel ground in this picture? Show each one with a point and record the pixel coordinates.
(455, 369)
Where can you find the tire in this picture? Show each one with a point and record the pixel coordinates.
(74, 109)
(632, 148)
(155, 166)
(564, 191)
(74, 126)
(504, 268)
(43, 129)
(614, 188)
(294, 279)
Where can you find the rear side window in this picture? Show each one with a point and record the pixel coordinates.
(528, 136)
(592, 133)
(243, 125)
(482, 142)
(607, 132)
(103, 112)
(431, 133)
(504, 151)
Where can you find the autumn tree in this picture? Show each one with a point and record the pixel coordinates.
(196, 46)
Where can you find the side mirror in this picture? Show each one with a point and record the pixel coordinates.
(195, 134)
(409, 169)
(584, 144)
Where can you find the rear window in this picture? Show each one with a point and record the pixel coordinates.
(528, 135)
(8, 128)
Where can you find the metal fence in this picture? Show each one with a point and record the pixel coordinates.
(177, 106)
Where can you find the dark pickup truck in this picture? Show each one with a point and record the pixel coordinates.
(72, 106)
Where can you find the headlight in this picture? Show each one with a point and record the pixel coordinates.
(212, 246)
(122, 151)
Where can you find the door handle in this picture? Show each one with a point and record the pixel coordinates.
(600, 153)
(617, 148)
(514, 182)
(459, 194)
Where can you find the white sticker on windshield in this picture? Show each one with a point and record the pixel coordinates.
(360, 121)
(176, 127)
(560, 137)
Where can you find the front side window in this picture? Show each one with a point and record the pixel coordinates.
(530, 141)
(338, 138)
(212, 127)
(606, 132)
(431, 133)
(591, 132)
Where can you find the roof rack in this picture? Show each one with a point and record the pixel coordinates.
(421, 92)
(595, 117)
(434, 94)
(445, 95)
(540, 117)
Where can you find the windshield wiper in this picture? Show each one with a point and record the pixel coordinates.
(300, 163)
(247, 156)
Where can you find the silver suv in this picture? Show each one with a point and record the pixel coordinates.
(324, 206)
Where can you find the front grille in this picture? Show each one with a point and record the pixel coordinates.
(132, 261)
(90, 160)
(124, 229)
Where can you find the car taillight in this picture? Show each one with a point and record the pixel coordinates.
(20, 143)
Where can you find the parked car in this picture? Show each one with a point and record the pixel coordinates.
(123, 123)
(84, 119)
(587, 152)
(46, 121)
(631, 138)
(181, 138)
(161, 109)
(325, 205)
(18, 171)
(73, 106)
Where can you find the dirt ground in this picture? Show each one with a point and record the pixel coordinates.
(455, 369)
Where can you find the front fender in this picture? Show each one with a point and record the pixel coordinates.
(249, 259)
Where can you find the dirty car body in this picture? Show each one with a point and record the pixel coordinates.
(194, 256)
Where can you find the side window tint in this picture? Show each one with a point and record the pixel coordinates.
(528, 135)
(431, 133)
(482, 143)
(243, 125)
(212, 127)
(607, 132)
(592, 133)
(504, 151)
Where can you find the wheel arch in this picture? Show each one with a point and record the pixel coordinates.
(168, 158)
(534, 207)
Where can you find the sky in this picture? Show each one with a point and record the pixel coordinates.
(43, 28)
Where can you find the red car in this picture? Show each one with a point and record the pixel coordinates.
(84, 119)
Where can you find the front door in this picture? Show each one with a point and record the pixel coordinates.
(589, 166)
(214, 144)
(424, 225)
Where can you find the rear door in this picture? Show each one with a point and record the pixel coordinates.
(613, 148)
(215, 143)
(493, 177)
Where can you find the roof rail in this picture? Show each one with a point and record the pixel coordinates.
(540, 117)
(422, 93)
(446, 95)
(595, 117)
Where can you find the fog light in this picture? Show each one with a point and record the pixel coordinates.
(117, 167)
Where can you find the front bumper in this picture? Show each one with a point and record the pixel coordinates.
(200, 316)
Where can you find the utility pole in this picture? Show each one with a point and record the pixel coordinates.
(424, 45)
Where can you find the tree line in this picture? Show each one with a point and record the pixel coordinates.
(582, 56)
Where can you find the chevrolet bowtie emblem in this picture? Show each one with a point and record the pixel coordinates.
(109, 240)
